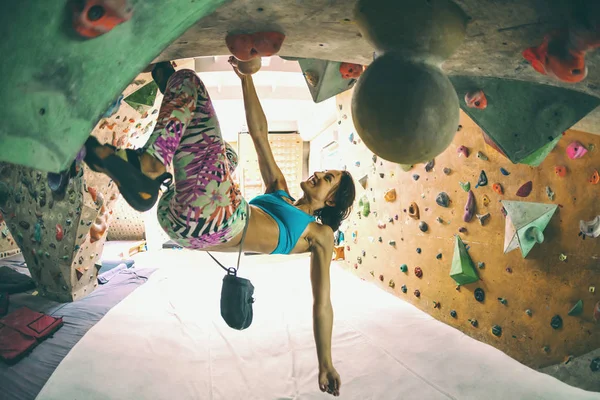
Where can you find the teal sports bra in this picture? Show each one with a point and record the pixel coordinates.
(291, 220)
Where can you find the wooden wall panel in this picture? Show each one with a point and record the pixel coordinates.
(541, 282)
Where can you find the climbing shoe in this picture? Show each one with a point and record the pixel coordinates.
(140, 191)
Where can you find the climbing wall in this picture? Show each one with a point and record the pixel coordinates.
(519, 297)
(8, 247)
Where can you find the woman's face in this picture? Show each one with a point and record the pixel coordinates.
(321, 185)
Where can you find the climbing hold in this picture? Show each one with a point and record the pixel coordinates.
(466, 186)
(479, 295)
(246, 47)
(462, 151)
(416, 177)
(462, 229)
(390, 195)
(462, 271)
(502, 300)
(418, 272)
(469, 207)
(595, 364)
(440, 220)
(439, 256)
(556, 322)
(590, 228)
(374, 158)
(413, 211)
(549, 193)
(453, 313)
(560, 170)
(38, 233)
(436, 304)
(562, 257)
(447, 171)
(359, 260)
(380, 239)
(592, 289)
(486, 200)
(404, 268)
(381, 278)
(24, 224)
(364, 253)
(381, 225)
(404, 289)
(525, 190)
(482, 181)
(357, 164)
(481, 265)
(483, 218)
(423, 226)
(546, 349)
(577, 309)
(576, 150)
(595, 178)
(442, 199)
(529, 312)
(59, 232)
(482, 156)
(497, 330)
(350, 71)
(79, 272)
(392, 284)
(93, 18)
(418, 250)
(504, 172)
(417, 293)
(473, 322)
(497, 188)
(381, 174)
(429, 166)
(364, 204)
(363, 181)
(525, 223)
(476, 99)
(392, 242)
(351, 139)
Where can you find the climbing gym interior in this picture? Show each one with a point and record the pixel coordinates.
(467, 268)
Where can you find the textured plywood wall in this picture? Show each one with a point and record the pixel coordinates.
(553, 277)
(8, 247)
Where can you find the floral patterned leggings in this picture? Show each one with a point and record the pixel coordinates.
(204, 207)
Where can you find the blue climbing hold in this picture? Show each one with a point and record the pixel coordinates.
(504, 172)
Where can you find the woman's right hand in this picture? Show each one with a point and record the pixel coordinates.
(245, 68)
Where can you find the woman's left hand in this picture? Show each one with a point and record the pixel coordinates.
(329, 381)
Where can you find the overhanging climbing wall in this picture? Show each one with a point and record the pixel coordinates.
(549, 281)
(61, 83)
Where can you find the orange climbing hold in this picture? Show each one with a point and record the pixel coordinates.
(93, 193)
(498, 188)
(595, 178)
(476, 99)
(350, 71)
(390, 195)
(246, 47)
(92, 18)
(560, 170)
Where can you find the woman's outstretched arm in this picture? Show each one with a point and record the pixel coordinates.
(259, 132)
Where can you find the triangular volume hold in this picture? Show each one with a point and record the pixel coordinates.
(463, 270)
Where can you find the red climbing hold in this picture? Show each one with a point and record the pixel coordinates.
(417, 293)
(525, 190)
(476, 99)
(560, 170)
(418, 272)
(497, 188)
(246, 47)
(556, 56)
(59, 232)
(595, 178)
(92, 18)
(350, 71)
(93, 193)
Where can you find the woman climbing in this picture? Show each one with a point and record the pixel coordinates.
(204, 209)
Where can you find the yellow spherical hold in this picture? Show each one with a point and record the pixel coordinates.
(426, 29)
(405, 112)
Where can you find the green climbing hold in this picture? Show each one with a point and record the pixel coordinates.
(463, 271)
(466, 186)
(404, 268)
(577, 309)
(38, 233)
(497, 330)
(363, 203)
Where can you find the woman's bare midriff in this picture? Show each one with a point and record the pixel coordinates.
(262, 236)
